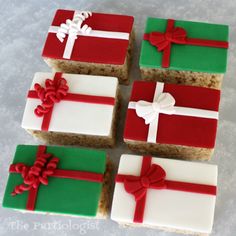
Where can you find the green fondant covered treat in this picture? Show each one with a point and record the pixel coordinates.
(184, 52)
(60, 180)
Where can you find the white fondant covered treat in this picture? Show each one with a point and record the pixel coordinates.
(163, 193)
(72, 109)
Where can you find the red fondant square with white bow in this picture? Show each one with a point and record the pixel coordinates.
(172, 114)
(88, 37)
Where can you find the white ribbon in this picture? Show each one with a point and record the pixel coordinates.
(74, 28)
(164, 103)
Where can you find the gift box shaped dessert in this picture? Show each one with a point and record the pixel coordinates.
(172, 120)
(90, 43)
(72, 109)
(168, 194)
(184, 52)
(59, 180)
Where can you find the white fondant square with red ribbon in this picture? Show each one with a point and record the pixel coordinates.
(172, 114)
(69, 103)
(165, 193)
(88, 37)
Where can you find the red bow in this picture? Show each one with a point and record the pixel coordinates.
(138, 185)
(152, 176)
(37, 174)
(177, 35)
(54, 92)
(163, 40)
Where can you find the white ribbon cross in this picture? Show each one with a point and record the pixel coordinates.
(74, 28)
(164, 103)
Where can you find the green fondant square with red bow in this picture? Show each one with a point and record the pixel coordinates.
(52, 179)
(184, 45)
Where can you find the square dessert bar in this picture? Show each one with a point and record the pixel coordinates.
(171, 120)
(85, 42)
(72, 109)
(166, 194)
(59, 180)
(184, 52)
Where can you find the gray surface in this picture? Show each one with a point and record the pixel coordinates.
(24, 27)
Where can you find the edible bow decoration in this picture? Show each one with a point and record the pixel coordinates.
(149, 111)
(74, 26)
(137, 185)
(153, 176)
(43, 167)
(54, 91)
(163, 40)
(177, 35)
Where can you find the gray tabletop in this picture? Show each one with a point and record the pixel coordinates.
(24, 26)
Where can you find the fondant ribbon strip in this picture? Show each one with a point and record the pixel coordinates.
(45, 166)
(55, 91)
(74, 28)
(177, 35)
(164, 103)
(152, 176)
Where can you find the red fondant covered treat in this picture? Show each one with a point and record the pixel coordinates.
(90, 43)
(172, 120)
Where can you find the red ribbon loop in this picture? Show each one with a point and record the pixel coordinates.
(37, 174)
(163, 40)
(55, 90)
(45, 166)
(138, 185)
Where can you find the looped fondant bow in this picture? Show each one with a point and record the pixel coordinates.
(74, 26)
(138, 185)
(150, 110)
(37, 174)
(54, 91)
(176, 35)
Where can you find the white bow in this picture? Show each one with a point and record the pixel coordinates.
(150, 110)
(74, 26)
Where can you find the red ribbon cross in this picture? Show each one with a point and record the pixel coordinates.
(55, 91)
(177, 35)
(45, 166)
(152, 176)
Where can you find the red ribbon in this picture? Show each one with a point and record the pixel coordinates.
(55, 91)
(177, 35)
(152, 176)
(45, 166)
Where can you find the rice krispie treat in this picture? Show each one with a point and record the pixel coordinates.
(85, 42)
(59, 180)
(167, 194)
(72, 109)
(184, 52)
(171, 120)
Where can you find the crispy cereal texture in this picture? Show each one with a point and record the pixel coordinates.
(201, 79)
(105, 199)
(119, 71)
(171, 150)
